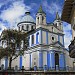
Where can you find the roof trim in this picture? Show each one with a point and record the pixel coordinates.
(43, 29)
(25, 22)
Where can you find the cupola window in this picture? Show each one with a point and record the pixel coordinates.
(22, 27)
(27, 27)
(32, 39)
(19, 28)
(32, 28)
(38, 20)
(42, 19)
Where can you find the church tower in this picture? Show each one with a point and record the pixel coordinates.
(58, 22)
(40, 17)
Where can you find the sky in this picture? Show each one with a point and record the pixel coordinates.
(12, 12)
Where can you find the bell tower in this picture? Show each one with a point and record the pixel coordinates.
(40, 17)
(58, 22)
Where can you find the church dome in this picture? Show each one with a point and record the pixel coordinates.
(27, 18)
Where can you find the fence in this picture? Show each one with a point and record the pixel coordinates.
(38, 71)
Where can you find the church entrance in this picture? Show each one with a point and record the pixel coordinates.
(56, 60)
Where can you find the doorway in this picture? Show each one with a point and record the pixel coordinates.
(56, 60)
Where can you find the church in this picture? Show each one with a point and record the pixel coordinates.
(46, 44)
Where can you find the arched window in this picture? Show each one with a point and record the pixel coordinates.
(42, 19)
(38, 19)
(56, 59)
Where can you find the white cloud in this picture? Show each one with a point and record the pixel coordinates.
(2, 27)
(53, 8)
(14, 13)
(68, 35)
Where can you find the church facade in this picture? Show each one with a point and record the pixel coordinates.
(46, 44)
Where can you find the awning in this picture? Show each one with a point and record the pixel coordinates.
(67, 9)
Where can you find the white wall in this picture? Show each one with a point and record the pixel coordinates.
(26, 61)
(16, 62)
(69, 61)
(43, 37)
(34, 55)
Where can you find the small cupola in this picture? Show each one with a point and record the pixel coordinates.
(40, 17)
(58, 22)
(41, 10)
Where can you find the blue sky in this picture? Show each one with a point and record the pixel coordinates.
(12, 11)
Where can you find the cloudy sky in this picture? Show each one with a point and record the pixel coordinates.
(12, 11)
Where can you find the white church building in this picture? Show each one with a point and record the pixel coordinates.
(46, 43)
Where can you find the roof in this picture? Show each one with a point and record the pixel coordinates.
(40, 10)
(67, 10)
(28, 18)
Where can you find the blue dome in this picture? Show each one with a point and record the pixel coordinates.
(28, 18)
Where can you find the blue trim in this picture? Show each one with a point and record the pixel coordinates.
(46, 37)
(37, 38)
(30, 60)
(48, 60)
(40, 59)
(62, 60)
(59, 38)
(41, 36)
(63, 39)
(20, 62)
(6, 62)
(52, 60)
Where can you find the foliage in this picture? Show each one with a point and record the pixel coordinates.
(14, 39)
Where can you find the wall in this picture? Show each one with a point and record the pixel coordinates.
(35, 58)
(16, 62)
(26, 61)
(69, 61)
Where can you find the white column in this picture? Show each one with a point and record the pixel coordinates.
(40, 19)
(44, 22)
(37, 20)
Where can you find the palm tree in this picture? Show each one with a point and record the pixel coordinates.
(14, 40)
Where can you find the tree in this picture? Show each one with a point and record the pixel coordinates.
(16, 43)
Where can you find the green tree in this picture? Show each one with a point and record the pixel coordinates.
(16, 43)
